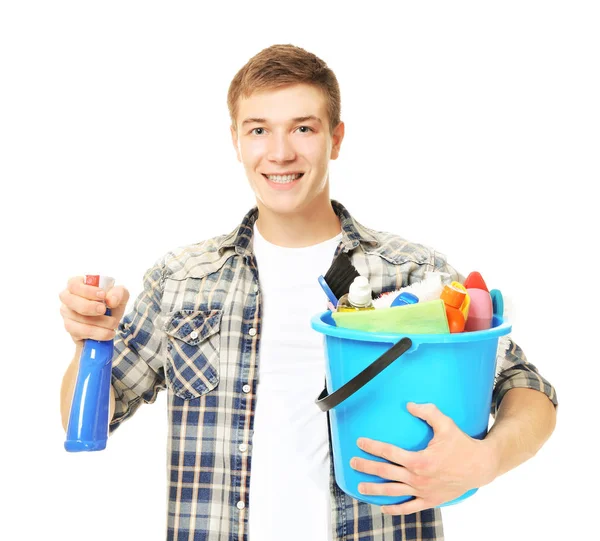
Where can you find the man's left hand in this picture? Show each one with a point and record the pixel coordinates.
(450, 465)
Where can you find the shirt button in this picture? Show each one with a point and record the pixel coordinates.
(255, 288)
(243, 447)
(246, 388)
(193, 335)
(240, 505)
(252, 332)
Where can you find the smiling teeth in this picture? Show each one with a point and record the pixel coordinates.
(283, 179)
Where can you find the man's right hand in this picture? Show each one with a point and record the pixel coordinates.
(83, 307)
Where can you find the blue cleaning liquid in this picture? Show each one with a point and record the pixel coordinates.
(88, 420)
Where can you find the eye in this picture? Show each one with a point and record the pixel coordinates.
(305, 127)
(254, 130)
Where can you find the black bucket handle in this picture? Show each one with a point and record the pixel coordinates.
(326, 402)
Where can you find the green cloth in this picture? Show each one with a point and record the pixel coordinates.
(421, 318)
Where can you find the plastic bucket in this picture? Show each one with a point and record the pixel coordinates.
(370, 377)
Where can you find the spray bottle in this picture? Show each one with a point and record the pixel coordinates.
(88, 421)
(358, 298)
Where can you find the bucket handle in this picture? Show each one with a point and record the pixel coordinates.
(326, 402)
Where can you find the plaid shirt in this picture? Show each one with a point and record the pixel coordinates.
(196, 329)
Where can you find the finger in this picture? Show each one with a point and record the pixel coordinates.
(82, 305)
(385, 470)
(77, 286)
(431, 415)
(117, 297)
(386, 489)
(82, 331)
(390, 452)
(406, 508)
(106, 322)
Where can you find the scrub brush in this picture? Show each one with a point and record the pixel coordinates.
(339, 277)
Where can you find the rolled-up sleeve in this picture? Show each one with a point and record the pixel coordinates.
(514, 371)
(137, 365)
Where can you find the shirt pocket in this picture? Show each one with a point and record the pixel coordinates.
(193, 343)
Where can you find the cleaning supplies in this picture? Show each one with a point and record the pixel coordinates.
(453, 371)
(359, 297)
(464, 307)
(453, 298)
(475, 281)
(88, 420)
(332, 299)
(405, 298)
(427, 289)
(497, 302)
(481, 310)
(427, 317)
(443, 277)
(338, 278)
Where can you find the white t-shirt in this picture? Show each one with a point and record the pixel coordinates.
(289, 476)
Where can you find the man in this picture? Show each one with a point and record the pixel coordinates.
(224, 326)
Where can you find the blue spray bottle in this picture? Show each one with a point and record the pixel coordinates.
(88, 421)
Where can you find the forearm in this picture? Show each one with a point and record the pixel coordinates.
(525, 420)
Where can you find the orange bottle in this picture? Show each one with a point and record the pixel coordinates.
(453, 298)
(466, 303)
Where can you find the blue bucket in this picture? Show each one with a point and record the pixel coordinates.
(453, 371)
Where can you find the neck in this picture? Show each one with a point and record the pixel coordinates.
(307, 227)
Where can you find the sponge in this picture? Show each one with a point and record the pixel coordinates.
(427, 317)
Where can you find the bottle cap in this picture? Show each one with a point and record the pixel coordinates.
(475, 281)
(464, 307)
(405, 298)
(103, 282)
(360, 292)
(443, 277)
(452, 296)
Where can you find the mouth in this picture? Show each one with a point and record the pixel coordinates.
(286, 178)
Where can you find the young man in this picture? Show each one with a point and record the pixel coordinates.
(224, 326)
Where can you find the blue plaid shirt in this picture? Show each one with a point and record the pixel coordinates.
(195, 330)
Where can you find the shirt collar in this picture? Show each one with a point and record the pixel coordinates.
(353, 233)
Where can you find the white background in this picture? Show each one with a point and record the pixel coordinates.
(470, 126)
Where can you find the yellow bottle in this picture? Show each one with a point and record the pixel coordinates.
(358, 298)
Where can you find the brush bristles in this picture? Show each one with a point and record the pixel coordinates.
(340, 275)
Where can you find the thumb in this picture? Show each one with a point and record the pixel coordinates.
(116, 299)
(431, 415)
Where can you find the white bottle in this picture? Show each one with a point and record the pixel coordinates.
(358, 298)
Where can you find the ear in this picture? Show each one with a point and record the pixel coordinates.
(337, 137)
(234, 140)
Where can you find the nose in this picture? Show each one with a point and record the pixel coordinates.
(281, 149)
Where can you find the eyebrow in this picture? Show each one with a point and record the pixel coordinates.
(265, 121)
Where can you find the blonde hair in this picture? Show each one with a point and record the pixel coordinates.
(283, 65)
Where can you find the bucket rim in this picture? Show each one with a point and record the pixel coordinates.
(500, 327)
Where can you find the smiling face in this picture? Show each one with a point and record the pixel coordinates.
(283, 140)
